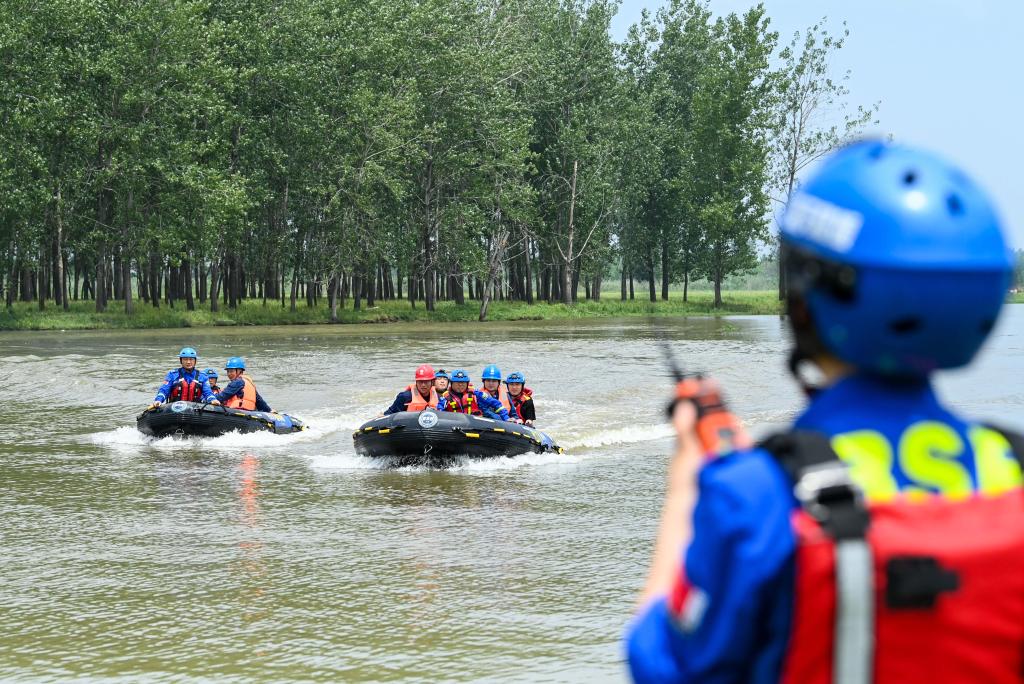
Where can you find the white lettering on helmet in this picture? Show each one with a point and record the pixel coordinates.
(827, 224)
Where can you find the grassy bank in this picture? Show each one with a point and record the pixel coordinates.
(26, 316)
(1017, 298)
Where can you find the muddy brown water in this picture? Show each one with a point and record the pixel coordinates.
(290, 558)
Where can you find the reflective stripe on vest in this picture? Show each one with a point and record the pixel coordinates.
(247, 401)
(462, 404)
(418, 403)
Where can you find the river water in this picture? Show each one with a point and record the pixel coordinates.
(290, 558)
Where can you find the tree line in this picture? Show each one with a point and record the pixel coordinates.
(188, 151)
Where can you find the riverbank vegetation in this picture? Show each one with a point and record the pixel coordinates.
(82, 315)
(356, 152)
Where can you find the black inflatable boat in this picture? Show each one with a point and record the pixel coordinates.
(189, 419)
(431, 437)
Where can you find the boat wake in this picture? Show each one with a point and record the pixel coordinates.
(466, 464)
(321, 423)
(625, 435)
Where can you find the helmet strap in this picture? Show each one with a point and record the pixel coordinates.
(806, 346)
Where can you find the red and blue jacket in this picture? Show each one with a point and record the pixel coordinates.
(183, 385)
(488, 406)
(739, 610)
(234, 389)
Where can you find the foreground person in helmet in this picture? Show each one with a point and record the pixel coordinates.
(882, 540)
(240, 392)
(521, 398)
(418, 396)
(184, 383)
(462, 398)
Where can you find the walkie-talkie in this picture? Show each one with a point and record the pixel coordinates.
(718, 429)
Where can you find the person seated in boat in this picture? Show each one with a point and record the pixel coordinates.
(462, 398)
(211, 376)
(441, 381)
(492, 386)
(418, 396)
(521, 398)
(184, 383)
(240, 391)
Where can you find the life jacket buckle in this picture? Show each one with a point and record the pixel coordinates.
(828, 493)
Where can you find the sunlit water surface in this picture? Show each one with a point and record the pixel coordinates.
(290, 558)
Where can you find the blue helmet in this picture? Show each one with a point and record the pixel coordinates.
(210, 373)
(460, 376)
(441, 374)
(492, 372)
(515, 377)
(899, 258)
(235, 362)
(188, 353)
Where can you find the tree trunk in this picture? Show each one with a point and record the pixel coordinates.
(568, 292)
(201, 277)
(186, 271)
(332, 298)
(665, 275)
(154, 279)
(528, 268)
(371, 289)
(622, 284)
(126, 285)
(101, 286)
(215, 285)
(718, 290)
(41, 278)
(64, 280)
(58, 263)
(650, 266)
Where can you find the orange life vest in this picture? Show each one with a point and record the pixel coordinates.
(503, 397)
(246, 402)
(465, 403)
(418, 403)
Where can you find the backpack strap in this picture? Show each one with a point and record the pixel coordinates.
(821, 482)
(822, 485)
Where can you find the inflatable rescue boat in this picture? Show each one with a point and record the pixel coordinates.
(427, 437)
(190, 419)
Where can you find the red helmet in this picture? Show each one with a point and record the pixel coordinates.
(425, 372)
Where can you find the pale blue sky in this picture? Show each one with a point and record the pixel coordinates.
(949, 75)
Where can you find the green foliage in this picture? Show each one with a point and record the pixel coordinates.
(23, 316)
(214, 153)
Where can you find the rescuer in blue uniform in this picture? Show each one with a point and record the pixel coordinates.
(240, 392)
(184, 383)
(897, 267)
(462, 398)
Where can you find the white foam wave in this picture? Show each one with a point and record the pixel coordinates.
(464, 464)
(626, 435)
(321, 424)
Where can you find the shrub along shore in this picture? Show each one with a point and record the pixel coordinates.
(82, 315)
